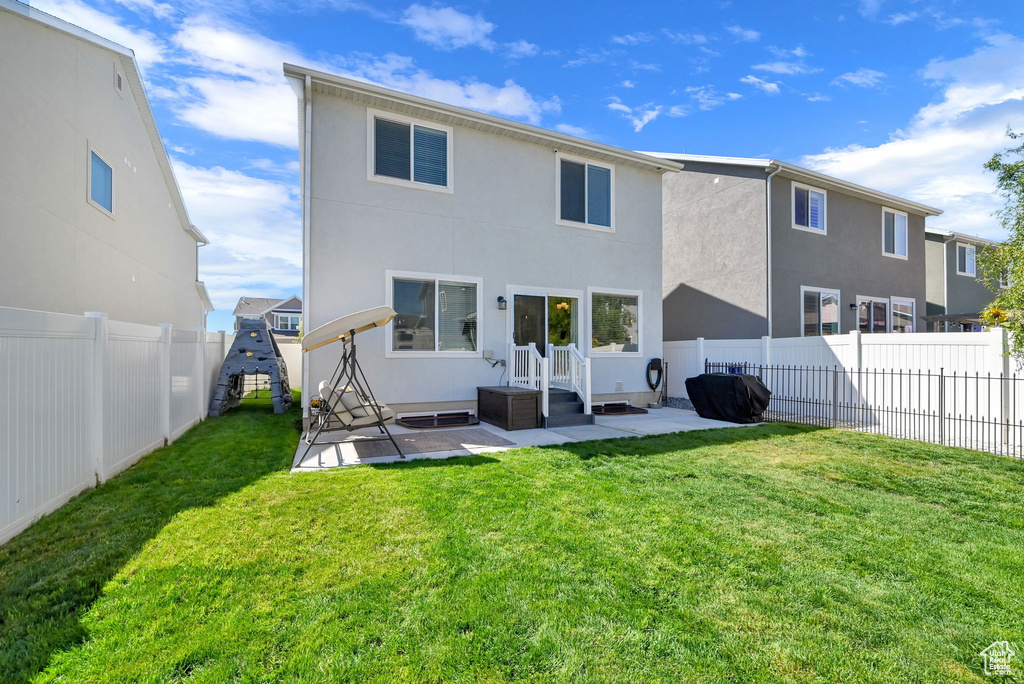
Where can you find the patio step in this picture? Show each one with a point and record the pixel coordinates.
(565, 410)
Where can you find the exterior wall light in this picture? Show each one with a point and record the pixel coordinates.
(502, 303)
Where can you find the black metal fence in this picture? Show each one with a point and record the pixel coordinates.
(984, 412)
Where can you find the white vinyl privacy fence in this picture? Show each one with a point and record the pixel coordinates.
(86, 397)
(980, 353)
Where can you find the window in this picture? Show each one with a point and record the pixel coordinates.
(894, 233)
(821, 311)
(808, 208)
(872, 314)
(288, 321)
(1005, 280)
(101, 183)
(407, 151)
(434, 314)
(903, 315)
(965, 265)
(615, 322)
(585, 192)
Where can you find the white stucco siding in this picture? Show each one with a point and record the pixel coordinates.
(61, 253)
(498, 224)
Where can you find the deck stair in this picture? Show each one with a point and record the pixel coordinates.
(566, 410)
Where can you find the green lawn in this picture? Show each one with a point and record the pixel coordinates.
(775, 554)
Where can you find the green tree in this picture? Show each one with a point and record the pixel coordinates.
(1004, 265)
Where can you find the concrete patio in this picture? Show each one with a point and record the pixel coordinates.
(341, 449)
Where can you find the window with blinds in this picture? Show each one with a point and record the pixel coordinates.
(585, 193)
(434, 315)
(614, 323)
(820, 312)
(808, 208)
(409, 151)
(965, 260)
(894, 233)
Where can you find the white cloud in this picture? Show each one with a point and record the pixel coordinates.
(686, 38)
(863, 78)
(743, 35)
(789, 68)
(869, 8)
(148, 49)
(938, 159)
(254, 228)
(818, 97)
(520, 48)
(767, 87)
(628, 84)
(708, 98)
(900, 18)
(569, 129)
(637, 116)
(447, 28)
(633, 38)
(160, 10)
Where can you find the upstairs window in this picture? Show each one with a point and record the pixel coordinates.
(894, 233)
(585, 192)
(808, 208)
(965, 264)
(101, 183)
(404, 150)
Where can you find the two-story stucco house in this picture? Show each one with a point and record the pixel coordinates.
(758, 247)
(956, 297)
(92, 216)
(483, 234)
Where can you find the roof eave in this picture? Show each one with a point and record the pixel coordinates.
(479, 119)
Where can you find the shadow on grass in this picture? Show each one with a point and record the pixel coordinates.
(53, 572)
(465, 461)
(679, 441)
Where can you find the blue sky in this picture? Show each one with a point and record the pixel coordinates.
(906, 97)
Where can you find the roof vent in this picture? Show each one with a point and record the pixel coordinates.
(118, 81)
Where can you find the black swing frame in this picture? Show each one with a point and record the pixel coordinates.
(348, 373)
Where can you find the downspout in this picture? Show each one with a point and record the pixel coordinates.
(945, 280)
(768, 241)
(306, 167)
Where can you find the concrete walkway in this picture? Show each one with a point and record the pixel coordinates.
(341, 452)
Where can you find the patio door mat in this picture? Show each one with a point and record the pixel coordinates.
(426, 442)
(618, 410)
(439, 421)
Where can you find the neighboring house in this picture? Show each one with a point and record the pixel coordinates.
(956, 297)
(482, 233)
(758, 247)
(283, 315)
(91, 213)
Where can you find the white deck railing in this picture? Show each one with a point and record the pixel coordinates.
(570, 370)
(530, 369)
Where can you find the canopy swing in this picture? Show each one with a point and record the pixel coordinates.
(345, 402)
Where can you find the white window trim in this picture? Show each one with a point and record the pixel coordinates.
(371, 114)
(820, 290)
(389, 333)
(589, 328)
(279, 316)
(881, 300)
(792, 209)
(957, 257)
(558, 192)
(893, 301)
(894, 255)
(581, 320)
(88, 183)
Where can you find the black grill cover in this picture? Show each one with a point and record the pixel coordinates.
(735, 398)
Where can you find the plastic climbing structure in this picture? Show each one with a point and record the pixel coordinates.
(254, 352)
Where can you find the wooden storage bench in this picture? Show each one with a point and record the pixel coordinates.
(510, 408)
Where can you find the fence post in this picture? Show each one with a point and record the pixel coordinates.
(200, 373)
(1004, 386)
(165, 382)
(855, 342)
(835, 396)
(942, 406)
(701, 359)
(99, 382)
(766, 359)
